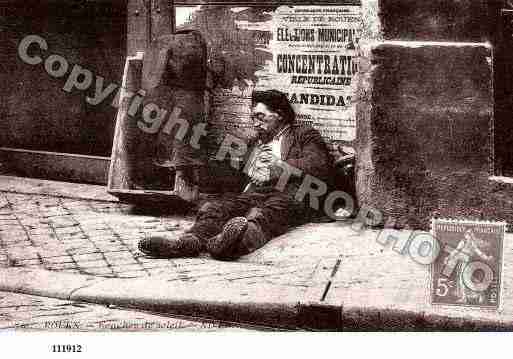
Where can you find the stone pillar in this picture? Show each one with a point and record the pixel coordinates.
(438, 20)
(425, 114)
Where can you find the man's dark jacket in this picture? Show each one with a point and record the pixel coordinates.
(303, 148)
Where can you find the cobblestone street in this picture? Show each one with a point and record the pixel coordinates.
(100, 238)
(80, 245)
(96, 238)
(89, 237)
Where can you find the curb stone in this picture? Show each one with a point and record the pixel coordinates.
(262, 304)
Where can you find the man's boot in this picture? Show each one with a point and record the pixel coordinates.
(239, 237)
(187, 245)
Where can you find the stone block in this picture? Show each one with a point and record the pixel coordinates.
(437, 20)
(88, 265)
(424, 116)
(89, 257)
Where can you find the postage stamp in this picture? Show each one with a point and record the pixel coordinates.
(468, 270)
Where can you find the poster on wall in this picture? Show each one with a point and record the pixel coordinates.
(308, 52)
(314, 62)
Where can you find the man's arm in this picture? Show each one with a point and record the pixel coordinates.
(315, 158)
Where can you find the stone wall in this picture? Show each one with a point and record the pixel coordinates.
(437, 20)
(425, 119)
(35, 112)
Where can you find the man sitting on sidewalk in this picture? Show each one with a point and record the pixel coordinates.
(236, 225)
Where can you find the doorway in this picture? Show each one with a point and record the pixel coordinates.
(41, 121)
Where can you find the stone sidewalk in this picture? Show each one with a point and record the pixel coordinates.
(341, 278)
(100, 238)
(90, 234)
(79, 236)
(26, 312)
(94, 235)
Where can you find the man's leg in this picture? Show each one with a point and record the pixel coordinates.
(270, 219)
(210, 220)
(213, 215)
(272, 215)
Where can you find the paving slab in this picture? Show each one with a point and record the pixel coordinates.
(55, 188)
(43, 283)
(261, 303)
(22, 312)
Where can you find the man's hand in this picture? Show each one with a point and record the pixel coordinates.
(261, 178)
(269, 174)
(261, 173)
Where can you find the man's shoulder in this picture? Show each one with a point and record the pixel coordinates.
(304, 130)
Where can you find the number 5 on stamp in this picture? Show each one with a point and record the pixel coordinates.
(468, 270)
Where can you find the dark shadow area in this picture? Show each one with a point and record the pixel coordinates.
(502, 129)
(36, 112)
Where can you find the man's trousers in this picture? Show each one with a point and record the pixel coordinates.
(272, 213)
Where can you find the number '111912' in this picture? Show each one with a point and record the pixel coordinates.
(58, 348)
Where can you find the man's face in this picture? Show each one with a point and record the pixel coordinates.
(267, 123)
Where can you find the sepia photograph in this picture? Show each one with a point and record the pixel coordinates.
(255, 166)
